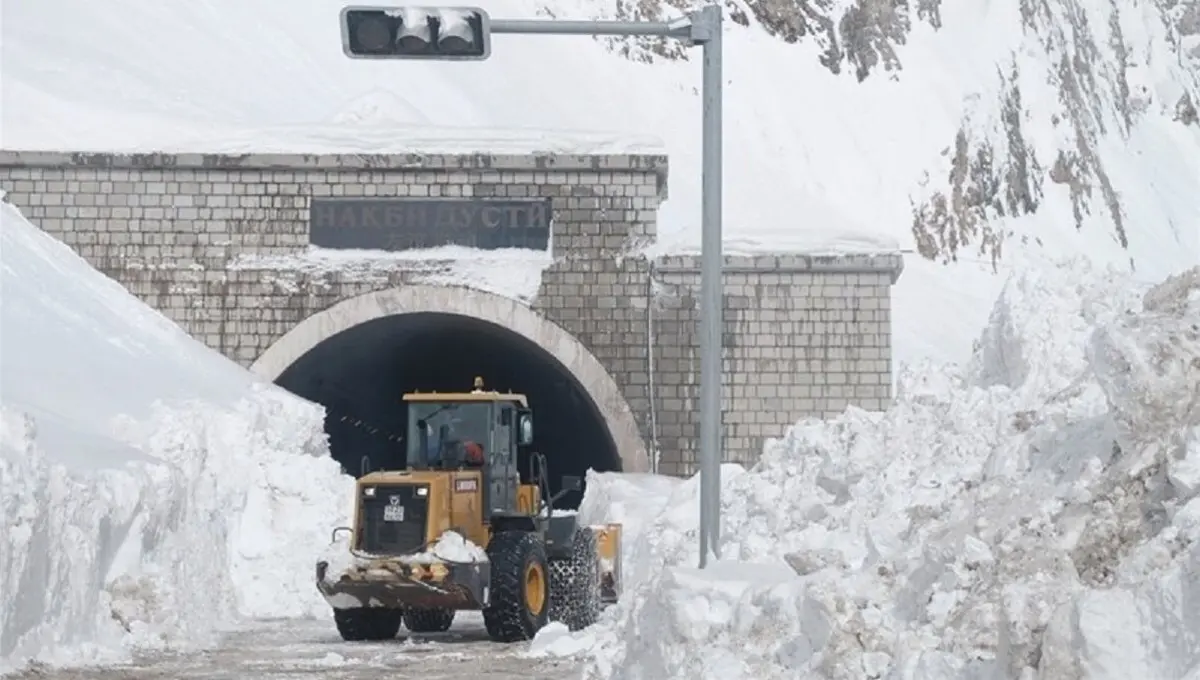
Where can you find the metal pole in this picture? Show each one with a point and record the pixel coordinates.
(711, 287)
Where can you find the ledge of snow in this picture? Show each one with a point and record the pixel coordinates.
(514, 273)
(357, 133)
(823, 230)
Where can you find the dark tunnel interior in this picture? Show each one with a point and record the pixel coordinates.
(361, 374)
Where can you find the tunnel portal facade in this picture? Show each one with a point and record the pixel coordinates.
(291, 264)
(361, 355)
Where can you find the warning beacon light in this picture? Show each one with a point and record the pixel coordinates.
(447, 33)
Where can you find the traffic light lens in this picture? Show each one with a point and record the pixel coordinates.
(412, 44)
(373, 34)
(454, 45)
(415, 32)
(455, 33)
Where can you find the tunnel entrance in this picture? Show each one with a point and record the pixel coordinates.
(360, 374)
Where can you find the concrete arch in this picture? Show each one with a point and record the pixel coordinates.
(496, 309)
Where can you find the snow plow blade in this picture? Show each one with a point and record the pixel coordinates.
(395, 584)
(608, 545)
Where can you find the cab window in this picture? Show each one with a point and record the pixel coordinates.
(446, 434)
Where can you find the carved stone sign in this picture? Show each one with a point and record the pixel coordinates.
(412, 223)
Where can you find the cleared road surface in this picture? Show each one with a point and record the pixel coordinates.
(304, 650)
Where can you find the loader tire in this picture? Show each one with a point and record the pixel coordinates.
(428, 620)
(575, 583)
(367, 623)
(519, 603)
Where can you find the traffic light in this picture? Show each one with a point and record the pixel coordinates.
(449, 33)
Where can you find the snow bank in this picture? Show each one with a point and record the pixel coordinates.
(632, 500)
(153, 491)
(1033, 515)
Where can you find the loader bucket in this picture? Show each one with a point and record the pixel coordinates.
(395, 584)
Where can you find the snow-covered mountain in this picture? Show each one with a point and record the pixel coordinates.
(978, 135)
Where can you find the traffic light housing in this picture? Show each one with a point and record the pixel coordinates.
(445, 33)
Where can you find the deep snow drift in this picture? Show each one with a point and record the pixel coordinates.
(981, 133)
(151, 491)
(1032, 515)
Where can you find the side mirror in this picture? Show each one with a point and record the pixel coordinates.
(571, 483)
(526, 429)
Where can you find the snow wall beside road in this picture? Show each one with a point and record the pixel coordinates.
(153, 491)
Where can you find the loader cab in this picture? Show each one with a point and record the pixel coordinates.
(446, 434)
(450, 431)
(477, 430)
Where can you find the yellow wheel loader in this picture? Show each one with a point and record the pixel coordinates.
(463, 476)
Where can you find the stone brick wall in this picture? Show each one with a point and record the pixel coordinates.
(804, 336)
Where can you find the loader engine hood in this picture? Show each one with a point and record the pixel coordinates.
(400, 513)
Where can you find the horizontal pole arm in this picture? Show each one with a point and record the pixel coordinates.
(564, 27)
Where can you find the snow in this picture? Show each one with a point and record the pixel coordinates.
(339, 559)
(451, 546)
(510, 272)
(556, 640)
(1032, 514)
(837, 236)
(830, 163)
(154, 493)
(631, 500)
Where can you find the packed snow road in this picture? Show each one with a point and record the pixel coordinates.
(308, 649)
